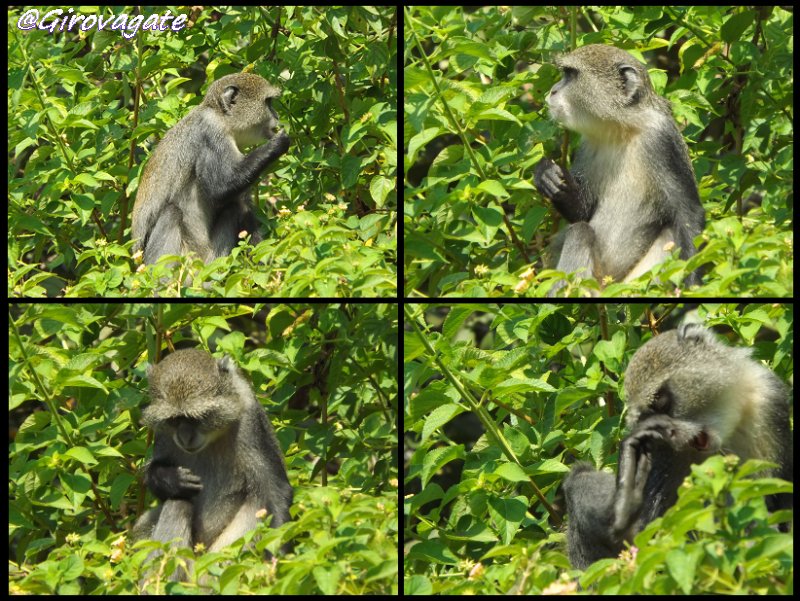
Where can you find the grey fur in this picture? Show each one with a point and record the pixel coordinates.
(194, 191)
(689, 396)
(631, 192)
(216, 461)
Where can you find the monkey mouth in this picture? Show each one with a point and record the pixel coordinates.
(701, 442)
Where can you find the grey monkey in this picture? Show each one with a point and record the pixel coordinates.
(216, 461)
(194, 191)
(631, 195)
(688, 396)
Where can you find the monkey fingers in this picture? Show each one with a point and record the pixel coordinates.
(188, 481)
(679, 434)
(635, 464)
(281, 142)
(550, 179)
(173, 482)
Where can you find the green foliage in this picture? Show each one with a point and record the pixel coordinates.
(476, 227)
(327, 375)
(718, 537)
(344, 523)
(78, 133)
(501, 399)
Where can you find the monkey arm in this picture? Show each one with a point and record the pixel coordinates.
(634, 469)
(571, 200)
(680, 205)
(175, 522)
(604, 512)
(267, 483)
(222, 180)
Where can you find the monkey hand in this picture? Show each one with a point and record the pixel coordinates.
(280, 142)
(636, 462)
(559, 187)
(173, 482)
(550, 179)
(665, 438)
(680, 435)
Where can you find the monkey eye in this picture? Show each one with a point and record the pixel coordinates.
(569, 72)
(662, 400)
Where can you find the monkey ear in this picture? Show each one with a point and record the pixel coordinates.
(228, 98)
(226, 364)
(631, 82)
(150, 368)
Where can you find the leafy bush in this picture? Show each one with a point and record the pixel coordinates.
(717, 538)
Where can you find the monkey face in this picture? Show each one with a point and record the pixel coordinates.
(692, 377)
(262, 125)
(190, 435)
(246, 102)
(558, 102)
(602, 90)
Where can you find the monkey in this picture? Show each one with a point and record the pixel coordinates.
(688, 396)
(631, 195)
(216, 461)
(194, 191)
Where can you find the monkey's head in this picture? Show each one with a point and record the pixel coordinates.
(195, 398)
(604, 92)
(691, 376)
(244, 101)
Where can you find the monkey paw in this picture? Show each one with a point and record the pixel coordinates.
(281, 141)
(550, 179)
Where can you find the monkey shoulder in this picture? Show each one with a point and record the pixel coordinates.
(585, 486)
(676, 175)
(208, 129)
(580, 474)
